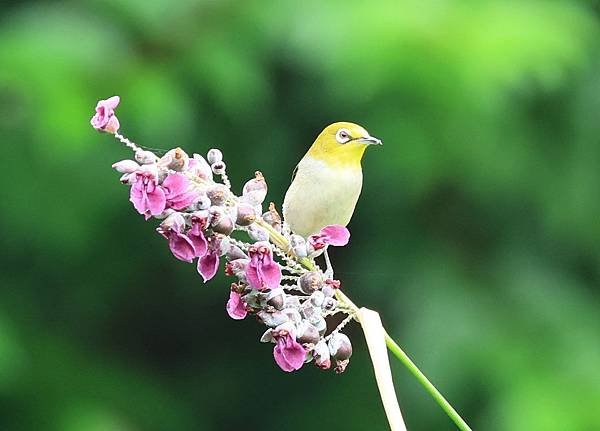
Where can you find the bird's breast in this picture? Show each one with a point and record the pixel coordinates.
(321, 195)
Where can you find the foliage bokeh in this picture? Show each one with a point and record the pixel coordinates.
(477, 236)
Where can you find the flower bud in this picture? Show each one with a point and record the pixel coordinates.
(293, 315)
(128, 178)
(175, 159)
(236, 268)
(273, 319)
(257, 233)
(309, 282)
(328, 291)
(255, 190)
(307, 334)
(198, 167)
(317, 298)
(174, 222)
(276, 298)
(203, 202)
(234, 253)
(329, 303)
(220, 222)
(321, 355)
(340, 347)
(126, 166)
(217, 194)
(272, 217)
(298, 245)
(245, 214)
(166, 213)
(145, 157)
(214, 156)
(218, 168)
(267, 337)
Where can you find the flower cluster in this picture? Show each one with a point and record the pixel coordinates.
(204, 221)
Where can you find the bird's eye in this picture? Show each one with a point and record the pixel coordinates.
(342, 136)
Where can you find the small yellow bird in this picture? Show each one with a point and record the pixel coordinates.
(328, 180)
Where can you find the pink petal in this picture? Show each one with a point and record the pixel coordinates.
(289, 354)
(177, 191)
(252, 273)
(113, 125)
(208, 265)
(235, 306)
(156, 201)
(336, 234)
(198, 240)
(271, 275)
(181, 247)
(112, 102)
(175, 184)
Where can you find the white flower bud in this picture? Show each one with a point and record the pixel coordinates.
(309, 282)
(317, 298)
(126, 166)
(307, 333)
(255, 190)
(200, 168)
(321, 355)
(175, 159)
(203, 203)
(214, 156)
(217, 194)
(340, 347)
(273, 319)
(257, 233)
(145, 157)
(298, 245)
(245, 214)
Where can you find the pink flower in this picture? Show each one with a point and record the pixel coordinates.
(288, 353)
(181, 246)
(177, 191)
(105, 119)
(209, 263)
(147, 196)
(262, 272)
(196, 236)
(235, 306)
(334, 234)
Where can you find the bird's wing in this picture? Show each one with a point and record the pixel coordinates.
(294, 173)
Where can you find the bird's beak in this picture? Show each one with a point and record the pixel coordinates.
(370, 140)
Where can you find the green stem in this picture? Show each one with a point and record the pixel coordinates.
(392, 346)
(437, 396)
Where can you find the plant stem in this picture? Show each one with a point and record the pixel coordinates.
(437, 396)
(392, 346)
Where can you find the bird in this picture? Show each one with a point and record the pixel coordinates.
(327, 182)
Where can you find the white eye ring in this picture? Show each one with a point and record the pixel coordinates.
(342, 136)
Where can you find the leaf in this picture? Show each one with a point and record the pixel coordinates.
(375, 336)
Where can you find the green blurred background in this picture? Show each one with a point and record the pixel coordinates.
(477, 236)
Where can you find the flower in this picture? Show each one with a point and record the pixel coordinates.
(334, 234)
(321, 355)
(177, 191)
(181, 246)
(235, 306)
(288, 353)
(262, 272)
(147, 196)
(209, 263)
(105, 119)
(196, 236)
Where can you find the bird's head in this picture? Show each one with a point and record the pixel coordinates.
(342, 144)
